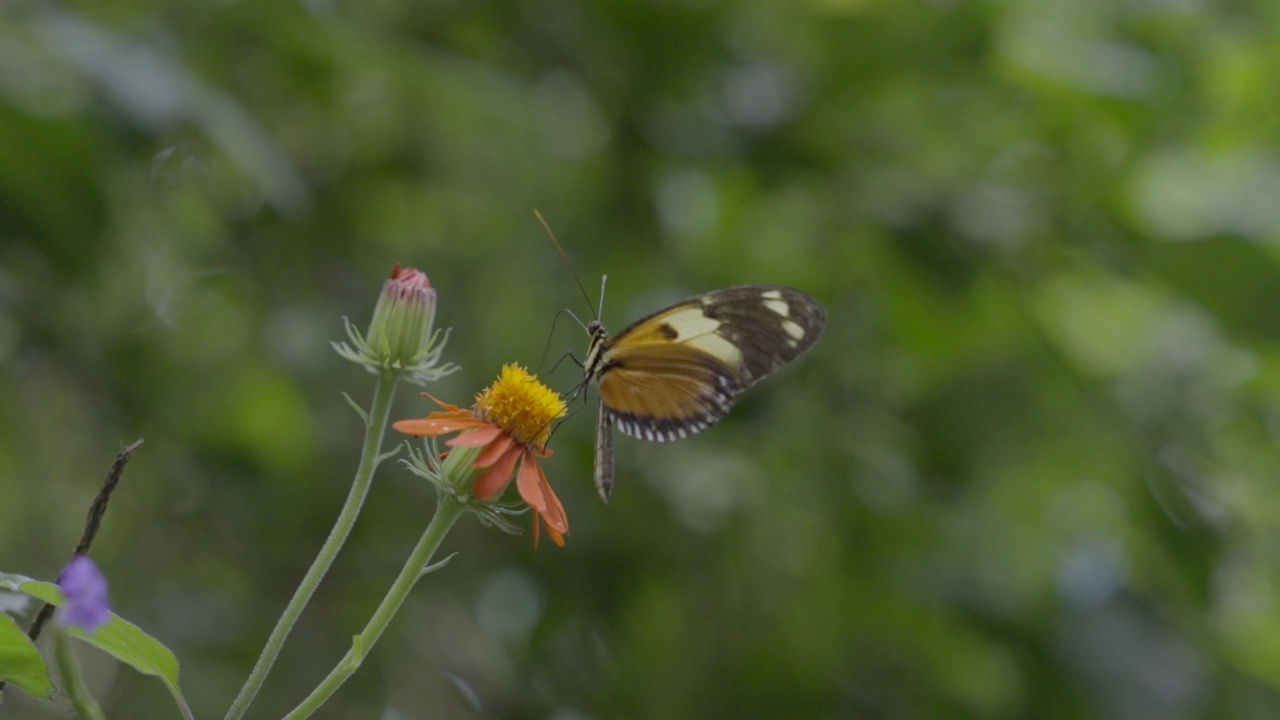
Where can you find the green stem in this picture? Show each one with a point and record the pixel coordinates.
(376, 427)
(73, 681)
(446, 513)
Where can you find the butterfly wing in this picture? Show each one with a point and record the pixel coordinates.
(677, 371)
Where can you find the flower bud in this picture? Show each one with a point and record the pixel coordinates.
(401, 335)
(404, 317)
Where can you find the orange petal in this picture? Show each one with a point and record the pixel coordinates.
(556, 518)
(492, 482)
(432, 426)
(534, 488)
(556, 536)
(454, 414)
(441, 403)
(482, 435)
(490, 454)
(527, 484)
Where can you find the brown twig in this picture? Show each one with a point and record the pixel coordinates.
(96, 512)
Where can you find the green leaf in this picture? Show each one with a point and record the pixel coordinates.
(120, 638)
(20, 662)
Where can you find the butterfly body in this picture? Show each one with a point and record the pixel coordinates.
(678, 371)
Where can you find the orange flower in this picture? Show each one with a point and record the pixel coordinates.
(510, 423)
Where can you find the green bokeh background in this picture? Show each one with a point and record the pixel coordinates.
(1030, 471)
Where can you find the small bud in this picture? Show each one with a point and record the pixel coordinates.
(402, 335)
(85, 590)
(405, 316)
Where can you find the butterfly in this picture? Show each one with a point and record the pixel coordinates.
(678, 371)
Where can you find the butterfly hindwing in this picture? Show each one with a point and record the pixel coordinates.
(665, 392)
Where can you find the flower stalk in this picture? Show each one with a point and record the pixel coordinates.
(501, 439)
(73, 680)
(447, 512)
(375, 429)
(401, 342)
(508, 428)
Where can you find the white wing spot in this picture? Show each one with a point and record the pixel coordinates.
(717, 347)
(779, 306)
(771, 294)
(698, 331)
(793, 329)
(690, 322)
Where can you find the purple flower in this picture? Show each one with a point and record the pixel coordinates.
(86, 592)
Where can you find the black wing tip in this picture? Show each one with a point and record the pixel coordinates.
(813, 313)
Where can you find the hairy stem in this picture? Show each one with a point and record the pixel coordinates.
(72, 681)
(446, 513)
(376, 427)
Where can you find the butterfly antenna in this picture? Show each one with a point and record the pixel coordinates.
(603, 279)
(547, 349)
(564, 257)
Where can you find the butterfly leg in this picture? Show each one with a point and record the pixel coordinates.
(569, 355)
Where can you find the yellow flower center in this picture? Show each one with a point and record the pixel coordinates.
(519, 404)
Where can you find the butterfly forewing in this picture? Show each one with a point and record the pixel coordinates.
(770, 326)
(677, 371)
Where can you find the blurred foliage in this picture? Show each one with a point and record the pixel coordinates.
(1029, 472)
